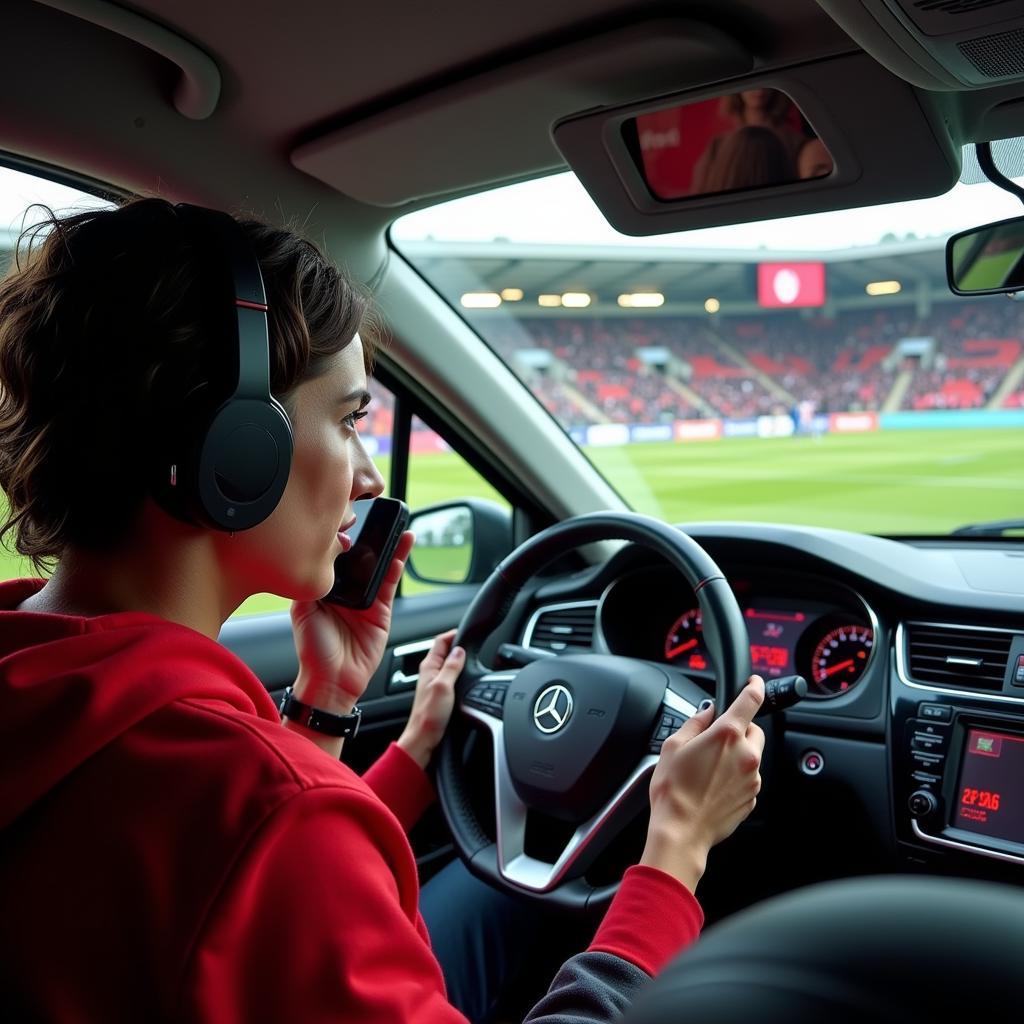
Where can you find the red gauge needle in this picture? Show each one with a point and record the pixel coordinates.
(685, 647)
(839, 667)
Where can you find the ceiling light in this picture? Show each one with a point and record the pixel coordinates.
(481, 300)
(642, 300)
(549, 300)
(712, 306)
(576, 300)
(512, 294)
(883, 288)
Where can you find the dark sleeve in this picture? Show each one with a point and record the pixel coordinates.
(652, 918)
(589, 988)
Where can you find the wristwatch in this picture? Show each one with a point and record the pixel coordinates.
(318, 720)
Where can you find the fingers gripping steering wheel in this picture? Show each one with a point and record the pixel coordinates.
(575, 737)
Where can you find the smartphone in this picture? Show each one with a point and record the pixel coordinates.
(359, 571)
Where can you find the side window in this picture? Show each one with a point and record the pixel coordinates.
(436, 475)
(444, 540)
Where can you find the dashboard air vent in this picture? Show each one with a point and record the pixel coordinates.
(957, 656)
(565, 628)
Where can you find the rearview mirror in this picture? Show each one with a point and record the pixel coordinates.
(988, 260)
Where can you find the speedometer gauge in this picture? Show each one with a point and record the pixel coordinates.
(840, 658)
(684, 641)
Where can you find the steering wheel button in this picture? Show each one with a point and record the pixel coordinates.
(663, 733)
(487, 695)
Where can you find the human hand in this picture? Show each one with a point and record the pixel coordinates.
(434, 700)
(340, 648)
(705, 783)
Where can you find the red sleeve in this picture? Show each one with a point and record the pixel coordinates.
(317, 922)
(401, 784)
(652, 918)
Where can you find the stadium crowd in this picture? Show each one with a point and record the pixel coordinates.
(656, 369)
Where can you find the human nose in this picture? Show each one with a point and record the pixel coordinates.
(367, 481)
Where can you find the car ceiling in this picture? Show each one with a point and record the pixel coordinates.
(85, 98)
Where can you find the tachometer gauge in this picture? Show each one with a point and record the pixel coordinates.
(839, 659)
(684, 642)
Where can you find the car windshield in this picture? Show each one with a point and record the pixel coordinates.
(815, 370)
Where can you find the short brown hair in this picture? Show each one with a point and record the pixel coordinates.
(108, 334)
(777, 108)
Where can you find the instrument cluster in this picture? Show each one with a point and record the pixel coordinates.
(796, 626)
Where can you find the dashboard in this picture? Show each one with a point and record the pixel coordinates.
(797, 624)
(908, 751)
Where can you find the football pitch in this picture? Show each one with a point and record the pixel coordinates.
(895, 482)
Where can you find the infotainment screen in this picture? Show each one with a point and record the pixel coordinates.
(990, 794)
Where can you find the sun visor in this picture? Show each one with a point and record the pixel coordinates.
(940, 44)
(495, 126)
(850, 134)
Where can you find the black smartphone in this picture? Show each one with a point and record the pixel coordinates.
(359, 571)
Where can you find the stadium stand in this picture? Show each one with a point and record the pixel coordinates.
(961, 356)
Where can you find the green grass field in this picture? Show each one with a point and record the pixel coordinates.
(910, 482)
(898, 482)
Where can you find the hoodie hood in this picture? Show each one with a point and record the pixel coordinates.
(69, 685)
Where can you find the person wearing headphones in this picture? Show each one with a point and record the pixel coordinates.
(179, 400)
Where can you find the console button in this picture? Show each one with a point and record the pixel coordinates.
(811, 762)
(929, 736)
(926, 762)
(922, 803)
(1018, 672)
(930, 728)
(935, 712)
(922, 741)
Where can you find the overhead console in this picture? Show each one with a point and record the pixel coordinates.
(939, 44)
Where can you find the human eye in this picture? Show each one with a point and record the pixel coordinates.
(353, 418)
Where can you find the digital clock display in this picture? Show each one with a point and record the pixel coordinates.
(990, 794)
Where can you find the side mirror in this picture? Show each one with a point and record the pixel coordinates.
(988, 260)
(459, 541)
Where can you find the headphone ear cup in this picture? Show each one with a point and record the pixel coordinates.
(243, 463)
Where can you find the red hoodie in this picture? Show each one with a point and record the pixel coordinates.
(169, 851)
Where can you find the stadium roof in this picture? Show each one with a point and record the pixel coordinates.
(686, 277)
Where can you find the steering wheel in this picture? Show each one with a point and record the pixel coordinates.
(575, 737)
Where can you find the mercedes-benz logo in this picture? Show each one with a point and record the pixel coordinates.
(552, 709)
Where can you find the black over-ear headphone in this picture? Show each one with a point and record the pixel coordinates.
(227, 470)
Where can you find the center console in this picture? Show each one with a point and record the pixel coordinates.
(958, 771)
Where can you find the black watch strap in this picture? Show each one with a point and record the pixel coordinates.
(319, 721)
